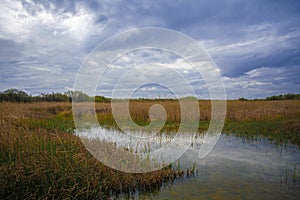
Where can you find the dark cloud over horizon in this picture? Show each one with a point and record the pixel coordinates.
(43, 43)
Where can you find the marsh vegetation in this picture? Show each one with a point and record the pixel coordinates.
(40, 157)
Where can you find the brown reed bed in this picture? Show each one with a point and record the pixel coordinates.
(37, 162)
(236, 110)
(40, 158)
(278, 121)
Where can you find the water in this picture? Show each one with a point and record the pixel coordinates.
(236, 169)
(140, 152)
(240, 169)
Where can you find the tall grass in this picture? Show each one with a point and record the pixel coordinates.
(236, 110)
(37, 161)
(41, 158)
(278, 121)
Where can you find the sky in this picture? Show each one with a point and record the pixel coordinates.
(255, 44)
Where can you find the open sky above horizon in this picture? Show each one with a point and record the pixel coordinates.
(255, 44)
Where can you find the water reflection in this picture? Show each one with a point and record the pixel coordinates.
(138, 152)
(236, 168)
(241, 169)
(138, 140)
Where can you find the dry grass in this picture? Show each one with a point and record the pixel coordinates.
(39, 163)
(39, 158)
(278, 121)
(262, 110)
(236, 110)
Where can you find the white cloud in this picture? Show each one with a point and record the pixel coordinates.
(260, 45)
(42, 44)
(262, 82)
(20, 23)
(52, 40)
(261, 38)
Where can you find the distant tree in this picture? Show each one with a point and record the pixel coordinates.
(243, 99)
(15, 95)
(102, 99)
(189, 98)
(284, 97)
(69, 94)
(52, 97)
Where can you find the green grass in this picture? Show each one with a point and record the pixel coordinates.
(279, 131)
(50, 124)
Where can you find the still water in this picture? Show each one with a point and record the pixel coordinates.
(235, 169)
(240, 169)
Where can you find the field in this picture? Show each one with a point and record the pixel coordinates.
(278, 121)
(41, 158)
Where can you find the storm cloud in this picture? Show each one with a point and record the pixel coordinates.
(255, 43)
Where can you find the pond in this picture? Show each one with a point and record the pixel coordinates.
(240, 169)
(236, 168)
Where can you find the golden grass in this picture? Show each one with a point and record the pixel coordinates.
(40, 159)
(278, 121)
(40, 163)
(236, 110)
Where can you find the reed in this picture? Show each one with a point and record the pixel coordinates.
(41, 158)
(278, 121)
(38, 161)
(236, 110)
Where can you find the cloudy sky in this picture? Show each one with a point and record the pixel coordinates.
(255, 44)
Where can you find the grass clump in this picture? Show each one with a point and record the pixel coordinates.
(40, 159)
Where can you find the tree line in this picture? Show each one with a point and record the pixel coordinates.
(15, 95)
(284, 97)
(289, 96)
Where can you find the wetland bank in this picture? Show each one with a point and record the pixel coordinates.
(257, 155)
